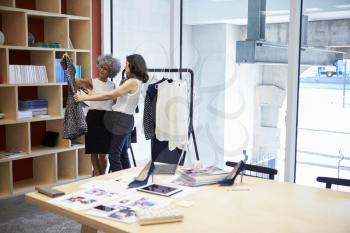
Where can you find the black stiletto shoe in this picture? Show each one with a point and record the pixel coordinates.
(142, 178)
(231, 177)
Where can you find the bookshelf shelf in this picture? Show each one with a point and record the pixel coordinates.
(39, 5)
(14, 47)
(35, 57)
(50, 93)
(76, 7)
(41, 13)
(79, 31)
(37, 132)
(8, 103)
(8, 3)
(33, 84)
(84, 164)
(6, 179)
(15, 137)
(49, 21)
(43, 170)
(67, 165)
(3, 65)
(84, 59)
(49, 29)
(32, 119)
(14, 27)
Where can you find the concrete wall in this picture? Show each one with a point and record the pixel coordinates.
(244, 116)
(225, 109)
(329, 33)
(320, 33)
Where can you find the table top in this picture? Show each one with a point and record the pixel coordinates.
(257, 205)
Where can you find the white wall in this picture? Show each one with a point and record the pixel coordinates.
(143, 27)
(205, 50)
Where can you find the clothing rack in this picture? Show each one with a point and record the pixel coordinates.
(191, 129)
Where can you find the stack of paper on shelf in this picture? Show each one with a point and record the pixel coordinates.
(37, 107)
(10, 153)
(24, 114)
(27, 74)
(202, 176)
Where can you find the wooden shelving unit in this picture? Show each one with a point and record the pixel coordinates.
(84, 169)
(58, 21)
(67, 168)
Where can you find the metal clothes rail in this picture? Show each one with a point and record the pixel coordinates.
(190, 129)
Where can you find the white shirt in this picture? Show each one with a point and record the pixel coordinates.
(127, 103)
(100, 87)
(172, 114)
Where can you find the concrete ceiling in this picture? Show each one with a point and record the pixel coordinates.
(198, 12)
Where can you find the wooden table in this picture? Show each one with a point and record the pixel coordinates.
(268, 206)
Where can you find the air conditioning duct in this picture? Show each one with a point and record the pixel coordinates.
(256, 50)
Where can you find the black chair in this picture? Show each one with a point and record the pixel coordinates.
(329, 181)
(258, 169)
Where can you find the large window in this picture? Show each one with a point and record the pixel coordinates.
(240, 97)
(323, 147)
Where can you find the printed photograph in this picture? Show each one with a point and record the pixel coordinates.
(79, 200)
(104, 208)
(101, 192)
(123, 213)
(140, 202)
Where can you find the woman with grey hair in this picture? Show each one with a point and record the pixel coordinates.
(97, 139)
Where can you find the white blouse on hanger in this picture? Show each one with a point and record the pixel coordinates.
(172, 114)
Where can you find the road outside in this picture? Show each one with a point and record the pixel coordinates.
(324, 130)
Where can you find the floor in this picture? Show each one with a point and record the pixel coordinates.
(18, 216)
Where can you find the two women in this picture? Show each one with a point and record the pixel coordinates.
(120, 121)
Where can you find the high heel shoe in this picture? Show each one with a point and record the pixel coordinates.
(231, 177)
(143, 177)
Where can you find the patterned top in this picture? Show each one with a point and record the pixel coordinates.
(149, 112)
(74, 119)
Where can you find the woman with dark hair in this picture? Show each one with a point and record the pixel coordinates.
(120, 121)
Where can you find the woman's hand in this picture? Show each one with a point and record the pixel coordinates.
(63, 61)
(88, 91)
(78, 98)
